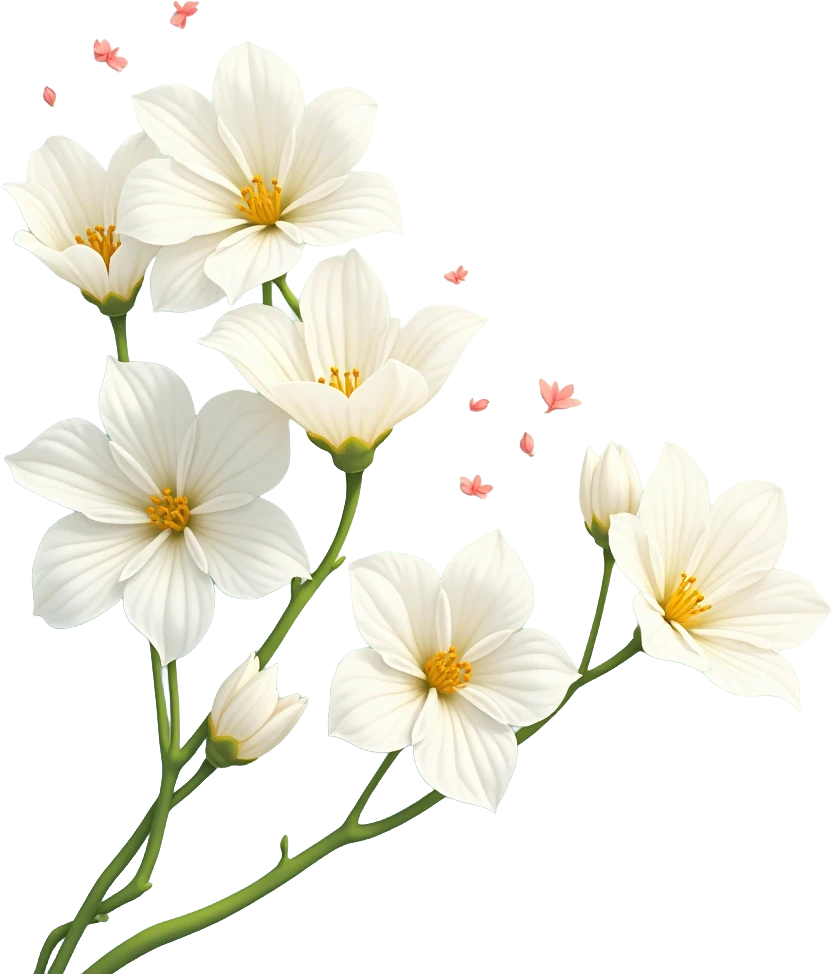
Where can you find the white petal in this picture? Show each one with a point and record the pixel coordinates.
(183, 123)
(147, 409)
(746, 532)
(223, 502)
(264, 345)
(77, 567)
(251, 256)
(662, 640)
(777, 611)
(71, 464)
(634, 479)
(332, 136)
(346, 317)
(318, 408)
(312, 196)
(610, 487)
(195, 550)
(133, 151)
(250, 707)
(749, 671)
(129, 264)
(373, 705)
(396, 600)
(636, 555)
(78, 264)
(590, 464)
(258, 97)
(76, 180)
(390, 395)
(273, 731)
(141, 558)
(433, 340)
(489, 590)
(467, 755)
(179, 282)
(366, 203)
(674, 511)
(135, 473)
(251, 550)
(42, 214)
(242, 446)
(526, 678)
(231, 684)
(170, 601)
(165, 203)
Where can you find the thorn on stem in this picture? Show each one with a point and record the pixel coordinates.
(338, 562)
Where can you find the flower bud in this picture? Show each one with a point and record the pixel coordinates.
(610, 485)
(249, 717)
(527, 444)
(49, 96)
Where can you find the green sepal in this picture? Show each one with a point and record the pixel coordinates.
(600, 534)
(353, 455)
(222, 752)
(114, 305)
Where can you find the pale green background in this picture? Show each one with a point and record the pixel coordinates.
(642, 194)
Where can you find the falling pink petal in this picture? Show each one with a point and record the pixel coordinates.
(183, 11)
(49, 96)
(478, 406)
(109, 55)
(527, 444)
(475, 487)
(457, 276)
(556, 398)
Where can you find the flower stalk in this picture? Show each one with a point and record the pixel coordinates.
(119, 323)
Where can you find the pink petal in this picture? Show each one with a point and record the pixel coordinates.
(476, 481)
(101, 49)
(179, 20)
(527, 444)
(116, 63)
(548, 392)
(566, 392)
(478, 406)
(190, 7)
(49, 96)
(566, 404)
(451, 276)
(484, 491)
(461, 273)
(466, 486)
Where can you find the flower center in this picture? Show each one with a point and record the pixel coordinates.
(260, 205)
(102, 242)
(169, 512)
(685, 603)
(446, 673)
(347, 385)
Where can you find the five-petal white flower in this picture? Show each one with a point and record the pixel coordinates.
(73, 209)
(251, 178)
(709, 595)
(166, 504)
(449, 667)
(348, 373)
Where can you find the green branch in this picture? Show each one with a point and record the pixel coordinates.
(288, 296)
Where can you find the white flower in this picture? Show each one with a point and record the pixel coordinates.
(449, 668)
(710, 596)
(249, 717)
(610, 484)
(73, 209)
(348, 373)
(167, 503)
(252, 177)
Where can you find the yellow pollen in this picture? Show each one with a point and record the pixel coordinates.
(348, 384)
(169, 512)
(260, 205)
(102, 242)
(446, 673)
(685, 603)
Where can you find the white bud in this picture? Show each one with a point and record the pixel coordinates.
(610, 484)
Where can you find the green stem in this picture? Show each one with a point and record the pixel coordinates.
(119, 323)
(122, 860)
(173, 691)
(350, 831)
(267, 293)
(288, 296)
(162, 725)
(609, 562)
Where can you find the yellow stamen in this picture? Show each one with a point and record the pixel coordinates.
(446, 673)
(350, 382)
(102, 242)
(169, 512)
(260, 205)
(685, 603)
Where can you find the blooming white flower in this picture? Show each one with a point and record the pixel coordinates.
(167, 503)
(449, 668)
(610, 484)
(73, 209)
(709, 595)
(249, 717)
(251, 178)
(347, 373)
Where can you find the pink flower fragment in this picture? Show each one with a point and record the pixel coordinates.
(183, 11)
(557, 398)
(527, 444)
(457, 276)
(49, 96)
(109, 55)
(475, 487)
(478, 406)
